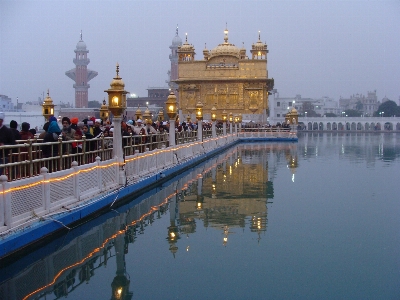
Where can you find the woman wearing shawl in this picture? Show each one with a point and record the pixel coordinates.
(52, 135)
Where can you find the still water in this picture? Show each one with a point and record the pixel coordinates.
(317, 219)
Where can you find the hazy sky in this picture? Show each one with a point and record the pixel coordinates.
(317, 48)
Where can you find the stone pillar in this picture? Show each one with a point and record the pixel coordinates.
(200, 130)
(117, 148)
(214, 130)
(171, 132)
(224, 128)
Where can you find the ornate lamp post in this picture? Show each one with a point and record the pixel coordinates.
(47, 107)
(138, 113)
(230, 122)
(104, 112)
(236, 119)
(240, 122)
(214, 119)
(199, 117)
(171, 111)
(224, 120)
(160, 116)
(147, 116)
(117, 106)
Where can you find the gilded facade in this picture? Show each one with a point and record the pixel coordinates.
(226, 78)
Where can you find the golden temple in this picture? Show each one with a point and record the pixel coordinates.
(225, 78)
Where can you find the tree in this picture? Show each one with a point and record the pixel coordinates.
(389, 108)
(330, 115)
(359, 106)
(352, 113)
(309, 108)
(94, 104)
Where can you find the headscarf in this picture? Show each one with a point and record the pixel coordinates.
(54, 128)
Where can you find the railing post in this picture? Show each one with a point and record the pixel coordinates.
(2, 201)
(30, 157)
(74, 166)
(46, 188)
(60, 154)
(7, 201)
(99, 174)
(84, 160)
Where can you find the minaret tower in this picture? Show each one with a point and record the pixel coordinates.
(173, 57)
(81, 75)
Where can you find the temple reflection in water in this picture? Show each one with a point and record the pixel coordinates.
(227, 192)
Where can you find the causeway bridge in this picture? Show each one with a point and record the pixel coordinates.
(350, 123)
(40, 195)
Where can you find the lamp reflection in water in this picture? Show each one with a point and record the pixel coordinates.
(200, 197)
(292, 160)
(173, 229)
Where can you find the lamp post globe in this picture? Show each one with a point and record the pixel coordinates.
(171, 109)
(224, 116)
(199, 111)
(213, 114)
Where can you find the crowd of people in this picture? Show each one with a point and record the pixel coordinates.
(73, 130)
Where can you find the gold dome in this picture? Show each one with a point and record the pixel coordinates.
(186, 46)
(225, 48)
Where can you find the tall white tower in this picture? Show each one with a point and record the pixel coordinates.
(81, 75)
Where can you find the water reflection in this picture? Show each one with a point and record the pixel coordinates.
(229, 193)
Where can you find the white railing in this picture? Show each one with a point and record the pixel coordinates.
(28, 199)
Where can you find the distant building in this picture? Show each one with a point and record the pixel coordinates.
(280, 106)
(367, 104)
(155, 96)
(6, 103)
(173, 57)
(81, 75)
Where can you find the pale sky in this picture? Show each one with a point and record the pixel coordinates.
(317, 48)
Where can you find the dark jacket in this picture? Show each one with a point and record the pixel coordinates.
(15, 133)
(6, 138)
(52, 136)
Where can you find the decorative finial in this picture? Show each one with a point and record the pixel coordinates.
(226, 33)
(48, 92)
(81, 34)
(186, 37)
(205, 45)
(259, 37)
(176, 29)
(117, 70)
(104, 101)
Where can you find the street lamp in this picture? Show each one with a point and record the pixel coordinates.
(230, 121)
(199, 117)
(47, 107)
(213, 119)
(147, 116)
(104, 111)
(138, 113)
(199, 111)
(224, 120)
(117, 106)
(160, 116)
(171, 105)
